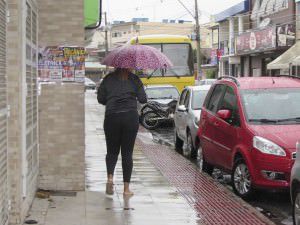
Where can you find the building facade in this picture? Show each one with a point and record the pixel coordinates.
(232, 22)
(26, 25)
(252, 34)
(4, 195)
(288, 63)
(272, 32)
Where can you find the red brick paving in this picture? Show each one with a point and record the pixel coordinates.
(213, 203)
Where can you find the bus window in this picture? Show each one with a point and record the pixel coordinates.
(180, 56)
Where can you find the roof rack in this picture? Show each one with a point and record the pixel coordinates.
(230, 78)
(291, 76)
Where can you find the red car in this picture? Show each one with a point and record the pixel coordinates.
(249, 127)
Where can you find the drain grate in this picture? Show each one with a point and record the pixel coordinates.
(64, 193)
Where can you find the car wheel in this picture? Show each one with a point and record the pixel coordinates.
(296, 208)
(150, 120)
(203, 164)
(178, 142)
(190, 149)
(241, 179)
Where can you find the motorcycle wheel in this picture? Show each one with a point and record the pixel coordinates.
(148, 120)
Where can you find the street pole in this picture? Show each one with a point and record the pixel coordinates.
(106, 39)
(199, 58)
(106, 36)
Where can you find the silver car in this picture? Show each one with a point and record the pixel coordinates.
(295, 187)
(186, 118)
(163, 94)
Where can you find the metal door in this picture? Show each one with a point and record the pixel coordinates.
(30, 115)
(3, 118)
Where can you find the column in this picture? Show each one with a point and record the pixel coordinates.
(231, 35)
(241, 24)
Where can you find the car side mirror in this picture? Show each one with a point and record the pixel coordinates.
(182, 108)
(224, 114)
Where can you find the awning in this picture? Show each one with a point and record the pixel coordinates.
(296, 61)
(284, 61)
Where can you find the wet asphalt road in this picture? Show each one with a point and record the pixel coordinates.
(275, 205)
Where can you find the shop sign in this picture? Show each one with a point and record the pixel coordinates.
(59, 64)
(256, 41)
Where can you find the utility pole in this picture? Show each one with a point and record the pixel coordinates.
(196, 17)
(198, 40)
(106, 36)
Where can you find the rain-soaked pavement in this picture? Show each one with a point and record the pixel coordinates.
(275, 205)
(165, 179)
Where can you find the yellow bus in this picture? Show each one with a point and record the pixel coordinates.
(179, 50)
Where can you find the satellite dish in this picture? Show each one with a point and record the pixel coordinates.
(265, 22)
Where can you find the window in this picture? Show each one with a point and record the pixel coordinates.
(187, 99)
(272, 105)
(215, 98)
(230, 102)
(162, 93)
(180, 55)
(182, 97)
(198, 99)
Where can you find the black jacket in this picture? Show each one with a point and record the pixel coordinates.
(121, 95)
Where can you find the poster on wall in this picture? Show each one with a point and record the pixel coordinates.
(59, 64)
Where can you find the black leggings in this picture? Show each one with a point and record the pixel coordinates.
(120, 132)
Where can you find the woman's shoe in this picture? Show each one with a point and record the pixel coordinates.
(109, 188)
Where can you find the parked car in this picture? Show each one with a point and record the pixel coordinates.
(249, 127)
(163, 94)
(295, 187)
(89, 84)
(205, 82)
(187, 116)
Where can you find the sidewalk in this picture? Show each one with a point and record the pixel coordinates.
(168, 189)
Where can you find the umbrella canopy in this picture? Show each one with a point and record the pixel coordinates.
(139, 57)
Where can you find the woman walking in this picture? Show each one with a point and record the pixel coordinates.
(119, 92)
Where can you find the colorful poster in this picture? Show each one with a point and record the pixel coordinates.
(79, 75)
(56, 75)
(59, 64)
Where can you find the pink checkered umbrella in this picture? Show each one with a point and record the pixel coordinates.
(139, 57)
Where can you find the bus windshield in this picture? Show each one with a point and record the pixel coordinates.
(181, 58)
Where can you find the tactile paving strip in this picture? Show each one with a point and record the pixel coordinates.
(213, 203)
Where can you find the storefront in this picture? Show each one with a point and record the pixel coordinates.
(258, 48)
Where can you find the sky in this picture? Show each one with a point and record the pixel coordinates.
(157, 10)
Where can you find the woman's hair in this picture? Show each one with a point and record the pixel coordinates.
(123, 73)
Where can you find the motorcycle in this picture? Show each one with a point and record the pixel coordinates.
(154, 113)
